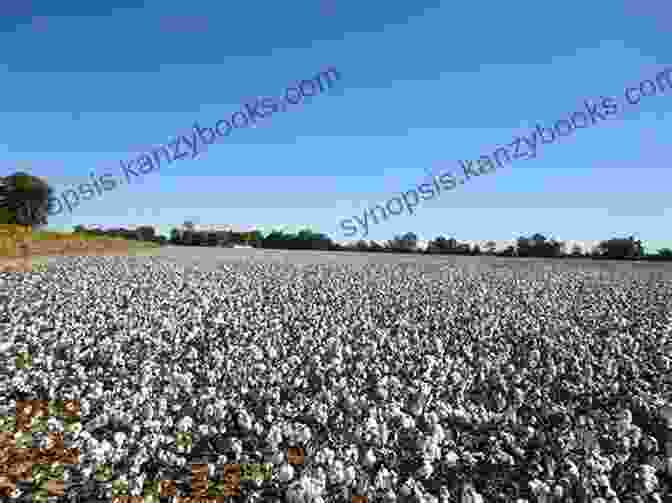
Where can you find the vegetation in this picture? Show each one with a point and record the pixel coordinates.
(24, 200)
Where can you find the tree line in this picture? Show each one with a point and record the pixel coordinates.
(24, 201)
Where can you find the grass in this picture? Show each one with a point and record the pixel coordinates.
(8, 243)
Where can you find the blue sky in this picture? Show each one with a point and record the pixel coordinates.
(423, 85)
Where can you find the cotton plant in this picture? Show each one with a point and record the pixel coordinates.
(104, 473)
(183, 441)
(23, 439)
(7, 424)
(120, 486)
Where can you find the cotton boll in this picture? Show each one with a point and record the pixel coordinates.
(369, 458)
(350, 475)
(390, 497)
(244, 420)
(296, 494)
(303, 435)
(407, 422)
(407, 489)
(450, 459)
(286, 473)
(425, 471)
(336, 472)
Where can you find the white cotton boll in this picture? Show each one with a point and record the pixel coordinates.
(383, 479)
(295, 494)
(425, 471)
(438, 434)
(352, 453)
(120, 438)
(350, 475)
(326, 456)
(433, 419)
(431, 450)
(237, 447)
(407, 422)
(244, 420)
(286, 473)
(336, 472)
(390, 497)
(185, 424)
(304, 435)
(369, 458)
(407, 489)
(274, 437)
(277, 458)
(451, 458)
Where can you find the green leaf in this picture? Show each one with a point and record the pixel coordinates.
(7, 424)
(39, 424)
(57, 408)
(103, 473)
(57, 472)
(216, 487)
(40, 495)
(72, 424)
(41, 474)
(23, 360)
(119, 488)
(24, 440)
(151, 487)
(183, 440)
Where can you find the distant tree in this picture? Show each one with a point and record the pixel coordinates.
(362, 246)
(665, 252)
(375, 246)
(146, 233)
(187, 237)
(538, 246)
(406, 243)
(24, 200)
(254, 238)
(491, 247)
(621, 248)
(438, 245)
(174, 236)
(577, 251)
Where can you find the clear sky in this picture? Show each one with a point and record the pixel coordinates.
(423, 84)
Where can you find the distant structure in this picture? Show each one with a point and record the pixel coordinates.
(213, 234)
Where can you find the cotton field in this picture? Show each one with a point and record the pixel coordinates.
(397, 380)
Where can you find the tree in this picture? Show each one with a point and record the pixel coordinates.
(438, 245)
(621, 248)
(375, 247)
(491, 247)
(406, 243)
(146, 233)
(577, 251)
(361, 246)
(665, 252)
(538, 246)
(24, 200)
(174, 236)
